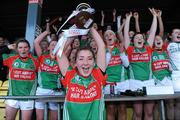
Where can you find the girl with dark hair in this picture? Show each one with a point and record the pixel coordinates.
(22, 80)
(48, 77)
(84, 84)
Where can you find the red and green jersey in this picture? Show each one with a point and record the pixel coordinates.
(22, 74)
(84, 98)
(160, 67)
(49, 73)
(115, 70)
(140, 63)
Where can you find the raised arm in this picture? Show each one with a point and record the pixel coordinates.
(152, 33)
(161, 26)
(102, 18)
(47, 24)
(63, 61)
(126, 30)
(118, 22)
(4, 50)
(38, 40)
(114, 15)
(123, 56)
(100, 59)
(48, 29)
(120, 33)
(136, 16)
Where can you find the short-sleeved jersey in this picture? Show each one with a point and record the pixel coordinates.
(160, 64)
(48, 73)
(84, 98)
(174, 55)
(115, 70)
(140, 63)
(22, 74)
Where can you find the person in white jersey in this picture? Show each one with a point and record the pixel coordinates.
(174, 56)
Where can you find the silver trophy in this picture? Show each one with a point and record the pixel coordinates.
(82, 19)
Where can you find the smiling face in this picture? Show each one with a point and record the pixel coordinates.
(138, 40)
(109, 37)
(176, 35)
(23, 49)
(158, 42)
(85, 62)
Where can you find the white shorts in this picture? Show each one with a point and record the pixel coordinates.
(176, 80)
(51, 105)
(19, 104)
(167, 81)
(138, 84)
(118, 87)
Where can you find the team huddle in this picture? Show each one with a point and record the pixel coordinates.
(87, 69)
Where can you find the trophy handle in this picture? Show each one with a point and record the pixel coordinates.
(82, 6)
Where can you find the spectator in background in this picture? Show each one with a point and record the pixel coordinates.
(72, 58)
(76, 43)
(174, 55)
(2, 41)
(52, 35)
(3, 69)
(44, 46)
(93, 46)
